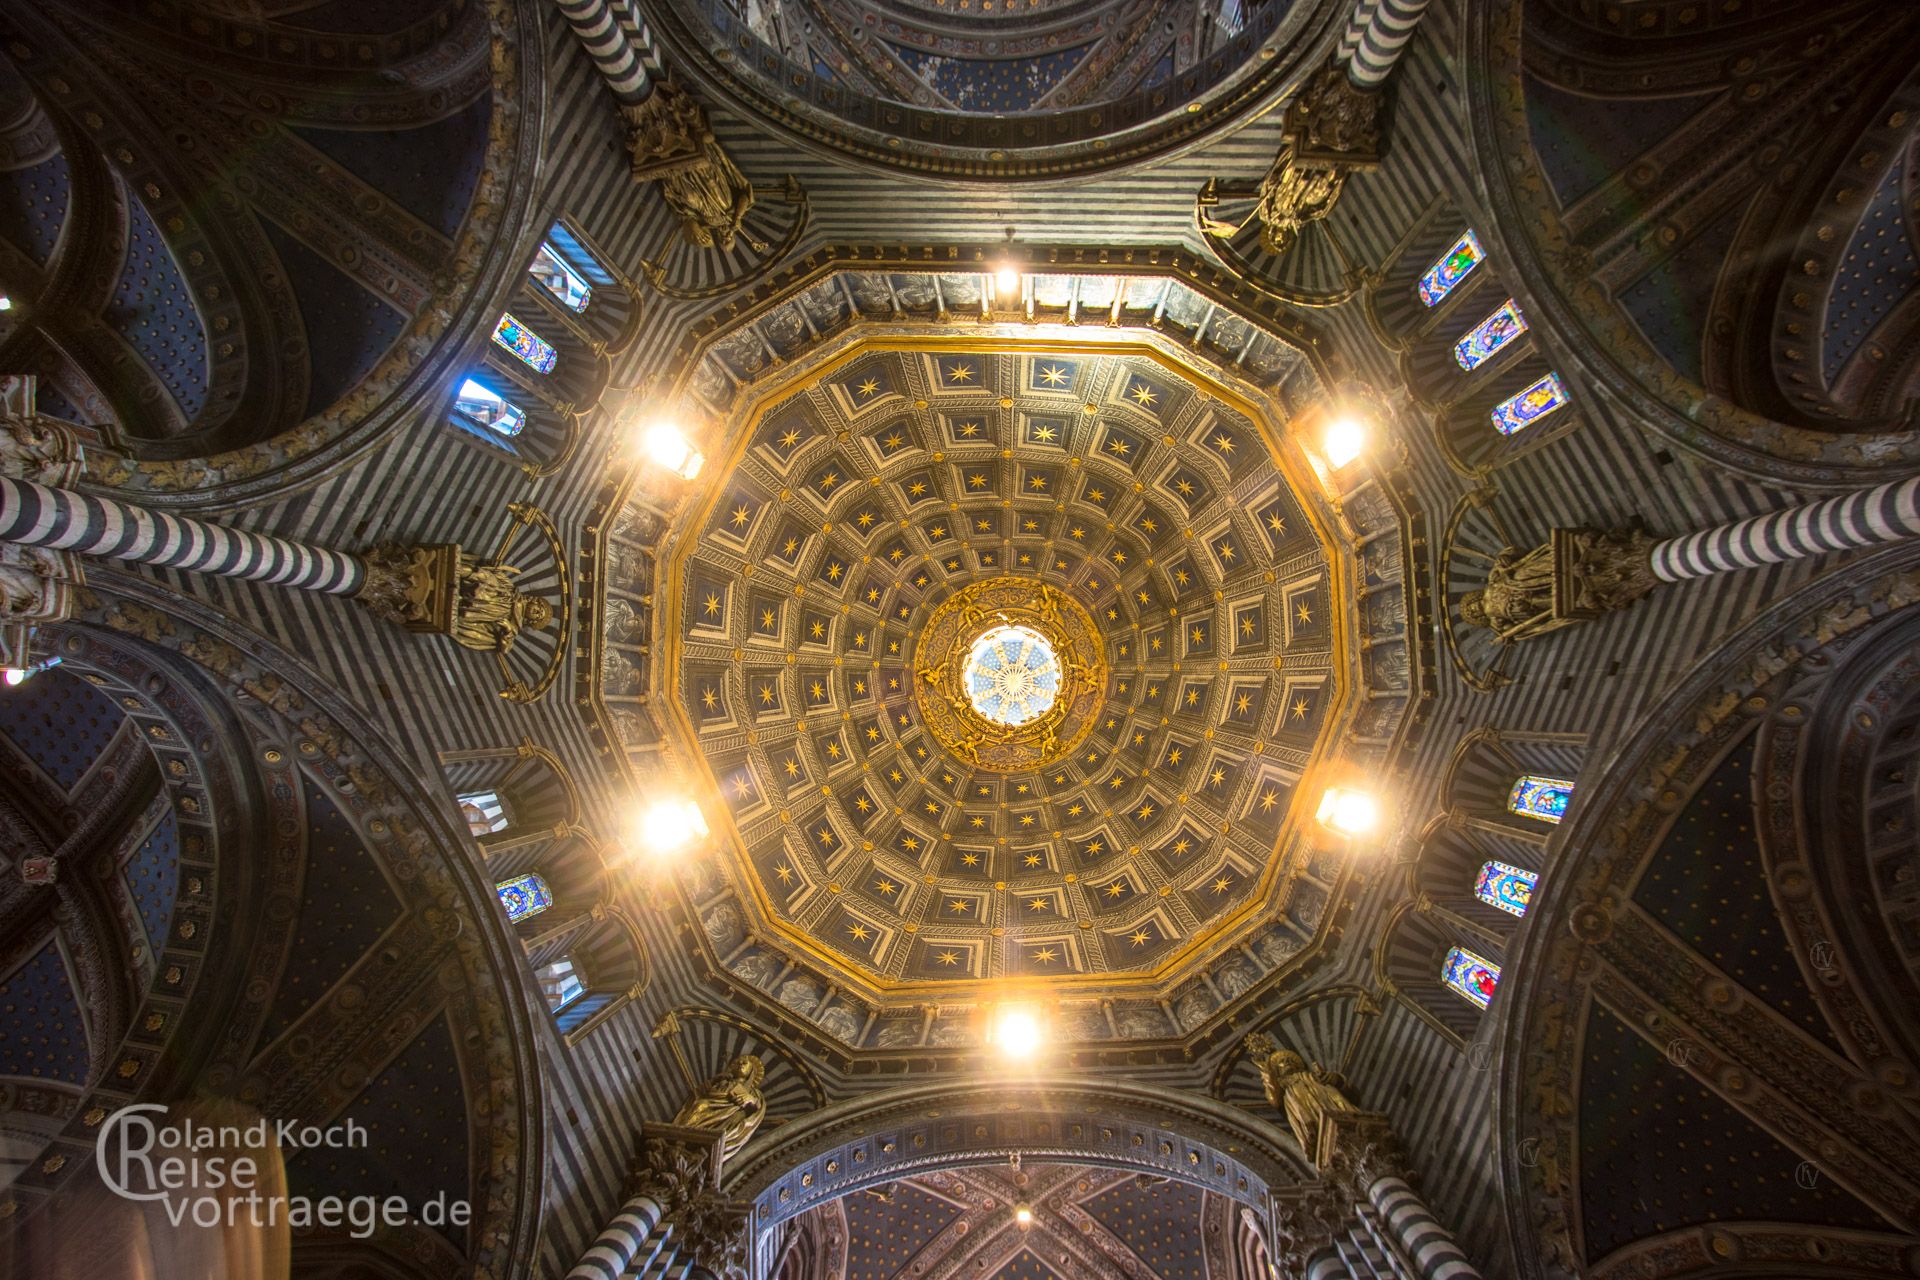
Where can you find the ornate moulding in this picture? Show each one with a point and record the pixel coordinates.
(946, 689)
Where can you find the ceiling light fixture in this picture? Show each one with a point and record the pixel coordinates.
(1016, 1033)
(1349, 812)
(1345, 439)
(1006, 272)
(1023, 1215)
(12, 676)
(668, 448)
(667, 826)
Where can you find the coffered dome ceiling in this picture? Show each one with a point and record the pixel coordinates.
(1125, 799)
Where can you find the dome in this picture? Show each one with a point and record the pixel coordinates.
(993, 89)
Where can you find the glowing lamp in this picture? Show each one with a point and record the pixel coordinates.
(666, 826)
(1023, 1215)
(1351, 813)
(667, 447)
(1007, 281)
(6, 303)
(11, 676)
(1345, 440)
(1016, 1033)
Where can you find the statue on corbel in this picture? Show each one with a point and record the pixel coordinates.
(672, 143)
(681, 1164)
(1578, 574)
(1333, 128)
(441, 590)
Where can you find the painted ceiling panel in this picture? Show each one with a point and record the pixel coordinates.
(345, 905)
(42, 1035)
(1659, 1151)
(414, 1114)
(1707, 884)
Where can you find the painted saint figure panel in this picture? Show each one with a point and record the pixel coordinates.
(524, 896)
(1453, 267)
(538, 354)
(1505, 887)
(1537, 796)
(1486, 339)
(1474, 977)
(1517, 412)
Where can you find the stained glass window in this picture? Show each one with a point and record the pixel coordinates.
(1525, 408)
(1534, 796)
(1451, 269)
(1012, 675)
(483, 406)
(525, 343)
(524, 896)
(484, 812)
(1474, 977)
(559, 279)
(1505, 887)
(1490, 335)
(560, 983)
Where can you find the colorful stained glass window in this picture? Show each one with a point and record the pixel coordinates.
(1012, 675)
(1505, 887)
(1490, 335)
(560, 983)
(524, 896)
(1474, 977)
(559, 279)
(484, 812)
(1451, 269)
(1525, 408)
(525, 343)
(484, 406)
(1534, 796)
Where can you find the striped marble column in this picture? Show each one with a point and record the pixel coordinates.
(1427, 1244)
(1328, 1265)
(610, 45)
(1375, 36)
(1886, 513)
(630, 1241)
(61, 520)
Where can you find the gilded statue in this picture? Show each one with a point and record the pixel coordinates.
(730, 1103)
(672, 143)
(488, 613)
(1306, 1095)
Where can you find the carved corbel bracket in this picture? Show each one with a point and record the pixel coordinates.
(679, 1169)
(413, 587)
(672, 143)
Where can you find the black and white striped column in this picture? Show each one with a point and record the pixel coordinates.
(1328, 1265)
(61, 520)
(609, 40)
(1847, 523)
(1375, 36)
(1427, 1244)
(624, 1243)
